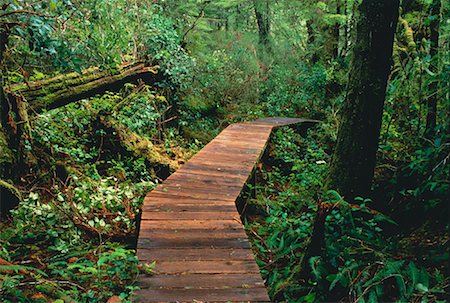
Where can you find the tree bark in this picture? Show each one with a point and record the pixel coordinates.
(8, 159)
(336, 32)
(262, 14)
(430, 129)
(353, 162)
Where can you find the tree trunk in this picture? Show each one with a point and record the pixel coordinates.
(262, 14)
(353, 162)
(336, 32)
(430, 129)
(8, 159)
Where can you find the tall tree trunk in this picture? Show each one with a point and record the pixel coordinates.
(430, 128)
(3, 102)
(8, 198)
(314, 57)
(262, 14)
(353, 162)
(336, 32)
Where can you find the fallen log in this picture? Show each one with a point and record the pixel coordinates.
(64, 89)
(157, 160)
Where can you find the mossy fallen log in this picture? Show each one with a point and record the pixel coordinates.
(64, 89)
(157, 159)
(9, 197)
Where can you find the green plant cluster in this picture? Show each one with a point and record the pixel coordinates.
(55, 260)
(70, 238)
(70, 36)
(358, 263)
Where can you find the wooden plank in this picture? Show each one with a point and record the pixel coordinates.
(206, 267)
(191, 234)
(203, 295)
(180, 207)
(191, 215)
(204, 180)
(194, 254)
(214, 173)
(202, 281)
(195, 196)
(193, 242)
(165, 198)
(192, 224)
(198, 187)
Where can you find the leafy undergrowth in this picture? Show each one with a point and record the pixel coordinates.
(71, 237)
(358, 263)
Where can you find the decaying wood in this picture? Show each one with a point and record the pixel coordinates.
(64, 89)
(141, 147)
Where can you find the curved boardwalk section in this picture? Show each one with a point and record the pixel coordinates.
(191, 227)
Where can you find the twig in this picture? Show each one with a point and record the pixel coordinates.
(52, 281)
(194, 24)
(24, 11)
(375, 283)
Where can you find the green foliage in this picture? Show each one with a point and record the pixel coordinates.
(73, 266)
(71, 36)
(89, 178)
(84, 275)
(90, 192)
(358, 262)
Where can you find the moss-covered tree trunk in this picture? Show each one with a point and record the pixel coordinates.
(8, 158)
(353, 161)
(430, 128)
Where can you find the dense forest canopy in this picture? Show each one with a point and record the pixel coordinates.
(100, 100)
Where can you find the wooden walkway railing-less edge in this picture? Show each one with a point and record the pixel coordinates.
(191, 227)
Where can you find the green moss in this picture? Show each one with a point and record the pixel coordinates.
(11, 188)
(140, 146)
(6, 155)
(195, 104)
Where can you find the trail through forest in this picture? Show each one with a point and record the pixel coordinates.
(103, 100)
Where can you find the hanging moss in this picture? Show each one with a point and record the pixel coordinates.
(407, 34)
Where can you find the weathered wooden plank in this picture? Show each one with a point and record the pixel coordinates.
(193, 242)
(203, 295)
(190, 225)
(180, 207)
(205, 180)
(202, 281)
(193, 196)
(206, 267)
(190, 215)
(195, 187)
(194, 254)
(192, 234)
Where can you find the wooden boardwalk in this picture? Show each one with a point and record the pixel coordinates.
(191, 227)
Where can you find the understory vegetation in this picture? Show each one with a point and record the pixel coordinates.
(358, 262)
(79, 171)
(71, 236)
